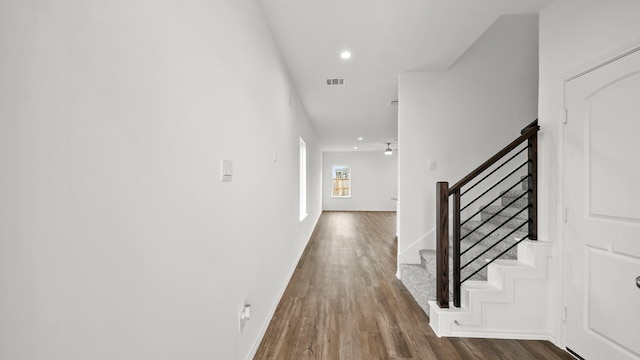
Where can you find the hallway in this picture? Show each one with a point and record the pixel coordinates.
(345, 302)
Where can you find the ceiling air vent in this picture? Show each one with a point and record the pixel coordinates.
(335, 81)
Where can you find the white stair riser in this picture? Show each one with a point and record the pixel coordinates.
(510, 305)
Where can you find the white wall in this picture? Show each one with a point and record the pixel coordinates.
(574, 36)
(461, 117)
(374, 180)
(117, 239)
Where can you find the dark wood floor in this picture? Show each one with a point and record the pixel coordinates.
(345, 302)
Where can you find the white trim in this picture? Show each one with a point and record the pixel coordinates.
(504, 335)
(303, 180)
(411, 254)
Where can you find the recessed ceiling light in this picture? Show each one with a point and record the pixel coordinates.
(355, 148)
(360, 138)
(345, 55)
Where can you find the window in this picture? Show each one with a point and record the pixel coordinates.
(341, 181)
(303, 179)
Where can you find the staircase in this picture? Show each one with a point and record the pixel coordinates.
(496, 272)
(420, 279)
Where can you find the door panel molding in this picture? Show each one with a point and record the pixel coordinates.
(602, 319)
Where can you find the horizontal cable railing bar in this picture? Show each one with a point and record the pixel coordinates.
(494, 170)
(494, 230)
(496, 184)
(529, 133)
(479, 211)
(502, 253)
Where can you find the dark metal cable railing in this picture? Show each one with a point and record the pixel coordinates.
(496, 198)
(499, 255)
(516, 227)
(494, 170)
(491, 232)
(494, 244)
(494, 185)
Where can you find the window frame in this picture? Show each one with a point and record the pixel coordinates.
(349, 179)
(302, 204)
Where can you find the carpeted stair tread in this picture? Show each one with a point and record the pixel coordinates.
(420, 284)
(480, 251)
(427, 260)
(482, 230)
(515, 198)
(498, 234)
(525, 183)
(504, 213)
(429, 257)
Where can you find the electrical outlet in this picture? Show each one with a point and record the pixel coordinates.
(245, 314)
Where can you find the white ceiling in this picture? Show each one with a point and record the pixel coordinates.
(386, 38)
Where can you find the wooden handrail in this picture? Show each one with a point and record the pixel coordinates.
(532, 124)
(528, 133)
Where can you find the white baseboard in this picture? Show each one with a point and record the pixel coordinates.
(504, 335)
(411, 253)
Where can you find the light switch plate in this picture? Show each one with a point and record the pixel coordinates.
(226, 170)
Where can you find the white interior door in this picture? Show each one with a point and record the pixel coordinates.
(602, 231)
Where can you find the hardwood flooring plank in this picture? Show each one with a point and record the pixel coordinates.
(306, 346)
(372, 345)
(544, 350)
(481, 347)
(388, 323)
(349, 341)
(465, 351)
(331, 339)
(509, 349)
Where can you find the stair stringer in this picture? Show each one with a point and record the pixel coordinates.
(511, 304)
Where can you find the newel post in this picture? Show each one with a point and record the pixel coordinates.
(533, 186)
(442, 244)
